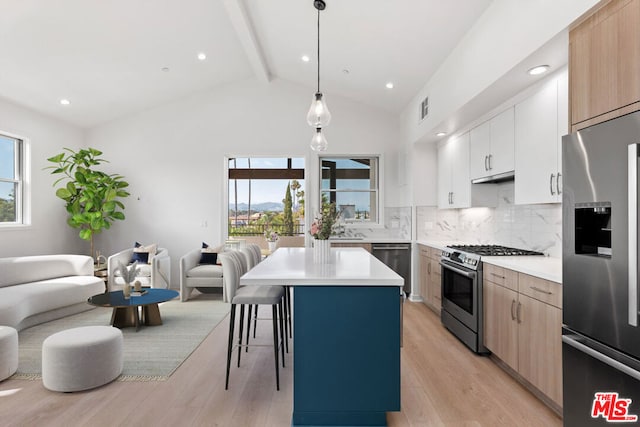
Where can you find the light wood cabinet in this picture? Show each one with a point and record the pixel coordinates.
(491, 146)
(604, 64)
(366, 246)
(523, 327)
(430, 277)
(540, 123)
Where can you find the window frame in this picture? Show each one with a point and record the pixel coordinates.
(378, 191)
(20, 181)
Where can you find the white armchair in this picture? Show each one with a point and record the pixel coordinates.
(196, 275)
(155, 275)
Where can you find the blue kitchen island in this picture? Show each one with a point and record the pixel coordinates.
(347, 328)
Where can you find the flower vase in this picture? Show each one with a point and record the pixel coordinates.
(321, 251)
(272, 246)
(126, 291)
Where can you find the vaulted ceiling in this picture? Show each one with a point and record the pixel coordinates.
(112, 58)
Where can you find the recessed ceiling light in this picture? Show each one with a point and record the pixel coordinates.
(165, 69)
(345, 71)
(441, 134)
(305, 58)
(538, 70)
(64, 102)
(389, 85)
(202, 56)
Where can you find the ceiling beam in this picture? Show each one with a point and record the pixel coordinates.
(242, 24)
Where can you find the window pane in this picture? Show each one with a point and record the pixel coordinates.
(7, 157)
(257, 200)
(264, 163)
(8, 202)
(352, 205)
(347, 174)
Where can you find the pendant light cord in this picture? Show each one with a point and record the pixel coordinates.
(318, 50)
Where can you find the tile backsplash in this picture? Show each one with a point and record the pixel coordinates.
(397, 225)
(534, 227)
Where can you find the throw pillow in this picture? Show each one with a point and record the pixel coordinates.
(144, 254)
(208, 255)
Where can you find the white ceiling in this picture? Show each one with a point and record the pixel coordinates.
(106, 57)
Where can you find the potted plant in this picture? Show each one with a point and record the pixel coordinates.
(92, 197)
(272, 239)
(321, 229)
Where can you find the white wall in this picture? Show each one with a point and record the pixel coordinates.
(173, 156)
(506, 33)
(48, 232)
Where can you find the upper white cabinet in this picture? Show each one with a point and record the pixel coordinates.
(492, 146)
(454, 185)
(540, 122)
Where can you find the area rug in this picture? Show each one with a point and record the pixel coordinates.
(151, 354)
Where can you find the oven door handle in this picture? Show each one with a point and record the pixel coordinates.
(469, 274)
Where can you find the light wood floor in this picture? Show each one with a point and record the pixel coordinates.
(443, 384)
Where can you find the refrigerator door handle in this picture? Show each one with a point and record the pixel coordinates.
(601, 357)
(633, 233)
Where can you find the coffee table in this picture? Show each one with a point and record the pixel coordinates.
(126, 312)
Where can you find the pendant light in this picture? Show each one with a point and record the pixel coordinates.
(319, 142)
(318, 115)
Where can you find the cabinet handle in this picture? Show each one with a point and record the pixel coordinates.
(518, 312)
(513, 309)
(551, 183)
(486, 160)
(541, 290)
(490, 156)
(497, 275)
(429, 268)
(558, 183)
(452, 197)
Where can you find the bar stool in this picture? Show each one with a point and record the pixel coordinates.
(232, 268)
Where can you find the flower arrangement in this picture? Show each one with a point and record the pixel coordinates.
(271, 236)
(324, 224)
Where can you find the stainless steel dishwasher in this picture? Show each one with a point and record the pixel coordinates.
(396, 256)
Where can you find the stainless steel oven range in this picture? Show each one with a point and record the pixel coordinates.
(462, 308)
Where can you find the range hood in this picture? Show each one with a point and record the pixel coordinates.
(494, 179)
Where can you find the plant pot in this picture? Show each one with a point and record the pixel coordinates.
(321, 251)
(272, 246)
(126, 291)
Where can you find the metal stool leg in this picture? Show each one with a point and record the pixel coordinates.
(282, 332)
(232, 321)
(275, 344)
(240, 334)
(249, 327)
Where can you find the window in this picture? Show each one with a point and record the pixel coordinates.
(352, 184)
(258, 198)
(11, 180)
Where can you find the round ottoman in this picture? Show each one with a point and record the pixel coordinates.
(8, 351)
(81, 358)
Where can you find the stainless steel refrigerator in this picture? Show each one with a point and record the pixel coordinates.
(601, 332)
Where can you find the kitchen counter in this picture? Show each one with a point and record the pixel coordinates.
(370, 240)
(547, 268)
(346, 335)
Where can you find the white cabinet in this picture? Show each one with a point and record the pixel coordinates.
(492, 146)
(540, 122)
(454, 185)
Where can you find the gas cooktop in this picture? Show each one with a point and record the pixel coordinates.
(493, 250)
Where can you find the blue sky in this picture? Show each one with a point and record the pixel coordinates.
(6, 164)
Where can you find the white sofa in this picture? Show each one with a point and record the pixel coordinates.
(37, 289)
(154, 275)
(195, 275)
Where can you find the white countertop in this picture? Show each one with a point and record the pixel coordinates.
(295, 267)
(544, 267)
